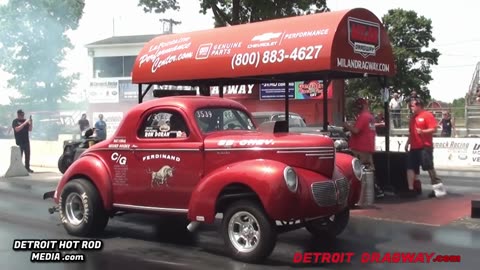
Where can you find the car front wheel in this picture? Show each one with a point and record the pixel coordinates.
(248, 233)
(329, 227)
(81, 209)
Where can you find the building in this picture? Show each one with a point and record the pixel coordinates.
(110, 90)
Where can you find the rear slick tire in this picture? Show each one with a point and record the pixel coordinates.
(81, 209)
(249, 234)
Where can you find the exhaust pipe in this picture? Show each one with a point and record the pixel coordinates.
(193, 226)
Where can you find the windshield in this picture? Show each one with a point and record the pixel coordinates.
(218, 119)
(294, 120)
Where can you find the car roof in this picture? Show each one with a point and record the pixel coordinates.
(270, 113)
(190, 103)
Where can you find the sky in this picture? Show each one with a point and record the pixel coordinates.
(454, 28)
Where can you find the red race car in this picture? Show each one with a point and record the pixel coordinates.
(200, 156)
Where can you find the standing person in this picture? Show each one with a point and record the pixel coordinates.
(421, 128)
(101, 128)
(362, 140)
(413, 96)
(21, 128)
(447, 123)
(83, 123)
(395, 107)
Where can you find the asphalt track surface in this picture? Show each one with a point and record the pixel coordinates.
(149, 242)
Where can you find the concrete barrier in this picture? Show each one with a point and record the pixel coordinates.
(16, 168)
(42, 153)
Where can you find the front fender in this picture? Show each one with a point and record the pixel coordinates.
(91, 167)
(344, 165)
(264, 177)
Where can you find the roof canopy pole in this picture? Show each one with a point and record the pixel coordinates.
(385, 94)
(287, 99)
(326, 84)
(220, 90)
(204, 90)
(142, 94)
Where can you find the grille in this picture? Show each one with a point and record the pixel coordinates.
(343, 187)
(324, 193)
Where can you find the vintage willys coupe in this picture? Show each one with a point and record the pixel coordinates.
(199, 156)
(176, 155)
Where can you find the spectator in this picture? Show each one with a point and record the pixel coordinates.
(362, 140)
(101, 128)
(83, 123)
(413, 96)
(447, 123)
(21, 128)
(395, 107)
(422, 126)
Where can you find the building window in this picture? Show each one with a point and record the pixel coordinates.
(115, 66)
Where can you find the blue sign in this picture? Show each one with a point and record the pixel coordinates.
(276, 91)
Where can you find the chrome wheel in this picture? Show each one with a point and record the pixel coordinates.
(244, 231)
(74, 209)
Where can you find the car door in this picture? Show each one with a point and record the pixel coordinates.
(169, 160)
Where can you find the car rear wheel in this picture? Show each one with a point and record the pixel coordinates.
(248, 233)
(329, 227)
(81, 209)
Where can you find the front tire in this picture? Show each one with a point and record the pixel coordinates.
(81, 209)
(63, 163)
(329, 227)
(248, 233)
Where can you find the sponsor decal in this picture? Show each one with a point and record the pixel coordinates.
(363, 36)
(249, 142)
(225, 48)
(161, 156)
(203, 51)
(304, 34)
(157, 50)
(119, 159)
(103, 91)
(267, 36)
(269, 57)
(119, 140)
(245, 89)
(362, 65)
(452, 145)
(476, 153)
(119, 145)
(265, 40)
(161, 176)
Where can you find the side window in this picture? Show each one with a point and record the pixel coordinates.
(164, 124)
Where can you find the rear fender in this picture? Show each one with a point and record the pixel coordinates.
(264, 177)
(92, 168)
(344, 165)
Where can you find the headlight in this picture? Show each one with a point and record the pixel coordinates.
(291, 178)
(357, 168)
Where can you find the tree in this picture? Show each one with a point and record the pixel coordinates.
(233, 12)
(33, 44)
(410, 35)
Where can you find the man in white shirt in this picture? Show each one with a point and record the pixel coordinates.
(395, 107)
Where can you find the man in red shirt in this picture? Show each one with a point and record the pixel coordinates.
(362, 139)
(422, 126)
